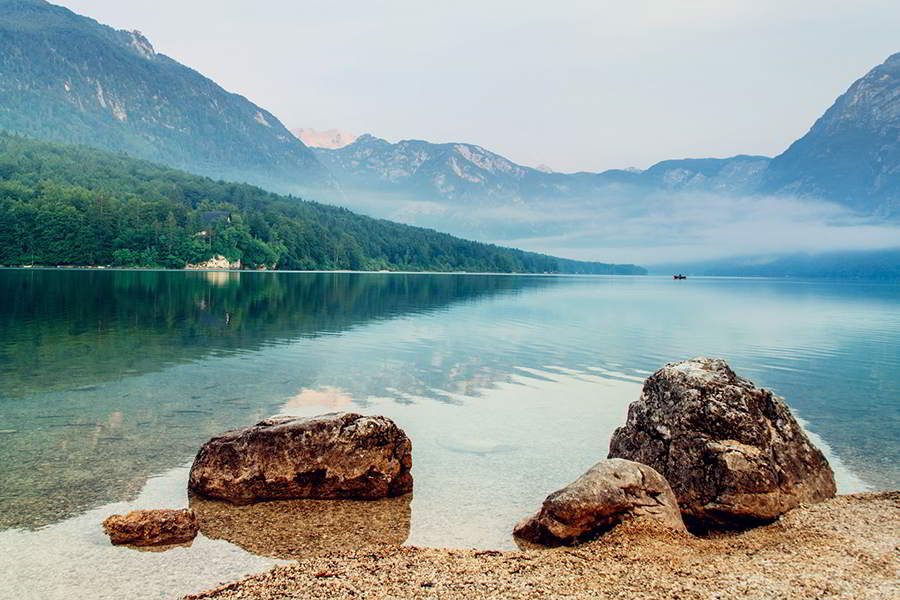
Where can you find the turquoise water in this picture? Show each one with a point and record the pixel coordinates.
(509, 387)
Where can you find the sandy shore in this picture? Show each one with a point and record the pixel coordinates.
(848, 547)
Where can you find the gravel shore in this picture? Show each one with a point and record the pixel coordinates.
(847, 547)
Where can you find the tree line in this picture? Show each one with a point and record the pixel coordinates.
(70, 205)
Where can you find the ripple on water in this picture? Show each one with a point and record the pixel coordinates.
(506, 397)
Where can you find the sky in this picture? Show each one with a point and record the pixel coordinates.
(575, 85)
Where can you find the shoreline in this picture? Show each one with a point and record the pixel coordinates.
(378, 272)
(845, 547)
(889, 282)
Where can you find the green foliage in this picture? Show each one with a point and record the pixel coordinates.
(65, 205)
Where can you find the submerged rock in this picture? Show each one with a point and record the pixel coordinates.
(733, 453)
(152, 527)
(611, 492)
(332, 456)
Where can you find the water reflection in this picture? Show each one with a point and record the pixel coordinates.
(482, 370)
(509, 388)
(111, 376)
(291, 529)
(68, 330)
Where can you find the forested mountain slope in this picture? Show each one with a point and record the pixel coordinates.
(67, 205)
(66, 77)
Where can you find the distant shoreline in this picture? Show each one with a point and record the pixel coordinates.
(388, 272)
(379, 272)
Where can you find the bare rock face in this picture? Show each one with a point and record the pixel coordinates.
(733, 453)
(611, 492)
(332, 456)
(152, 527)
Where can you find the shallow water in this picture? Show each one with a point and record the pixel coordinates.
(509, 387)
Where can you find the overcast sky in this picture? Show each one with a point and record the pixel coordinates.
(577, 85)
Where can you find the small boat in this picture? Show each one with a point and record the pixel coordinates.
(679, 276)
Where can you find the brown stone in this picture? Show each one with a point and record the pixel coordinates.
(733, 453)
(332, 456)
(152, 527)
(610, 492)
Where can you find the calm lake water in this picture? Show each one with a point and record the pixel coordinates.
(508, 386)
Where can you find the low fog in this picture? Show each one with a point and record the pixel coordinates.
(648, 229)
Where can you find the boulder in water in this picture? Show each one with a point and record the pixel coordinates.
(733, 453)
(332, 456)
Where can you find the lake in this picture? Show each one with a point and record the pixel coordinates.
(508, 386)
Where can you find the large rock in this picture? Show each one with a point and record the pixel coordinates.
(333, 456)
(152, 527)
(733, 453)
(611, 492)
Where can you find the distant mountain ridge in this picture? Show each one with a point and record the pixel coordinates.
(469, 173)
(469, 191)
(850, 156)
(67, 78)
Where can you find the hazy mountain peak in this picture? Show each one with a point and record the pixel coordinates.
(328, 138)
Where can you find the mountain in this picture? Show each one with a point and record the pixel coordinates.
(455, 172)
(467, 173)
(67, 78)
(837, 187)
(68, 205)
(851, 155)
(469, 191)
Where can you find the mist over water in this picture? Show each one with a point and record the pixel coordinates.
(509, 387)
(645, 227)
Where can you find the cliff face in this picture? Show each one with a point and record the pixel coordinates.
(851, 155)
(68, 78)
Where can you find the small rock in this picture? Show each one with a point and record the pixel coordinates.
(733, 453)
(332, 456)
(152, 527)
(611, 492)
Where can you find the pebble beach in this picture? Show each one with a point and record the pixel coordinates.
(846, 547)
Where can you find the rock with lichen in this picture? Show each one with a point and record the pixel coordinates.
(611, 492)
(331, 456)
(733, 453)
